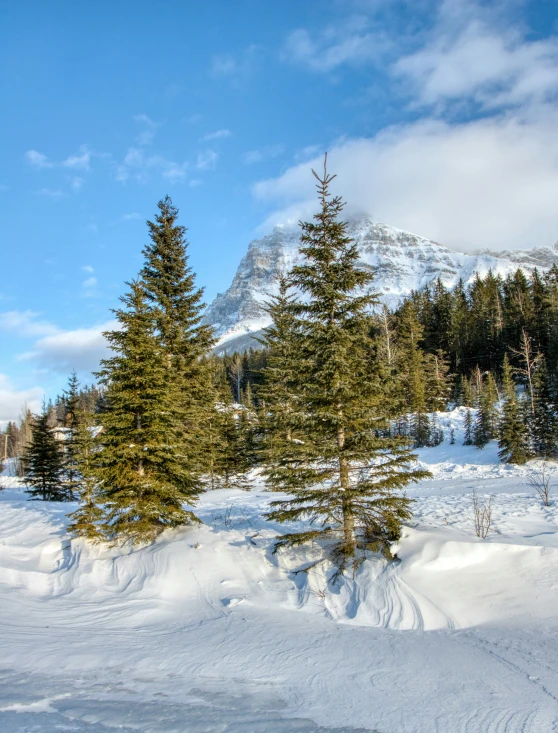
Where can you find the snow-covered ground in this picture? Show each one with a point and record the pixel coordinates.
(206, 630)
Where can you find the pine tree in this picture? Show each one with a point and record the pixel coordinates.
(544, 423)
(279, 393)
(72, 416)
(413, 372)
(144, 472)
(486, 420)
(469, 423)
(176, 303)
(341, 472)
(43, 462)
(514, 439)
(88, 519)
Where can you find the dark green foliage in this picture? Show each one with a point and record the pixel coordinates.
(88, 519)
(43, 462)
(176, 307)
(469, 422)
(514, 439)
(73, 413)
(144, 471)
(340, 471)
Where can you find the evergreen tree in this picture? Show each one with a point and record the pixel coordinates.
(485, 426)
(514, 440)
(72, 416)
(413, 372)
(176, 304)
(88, 519)
(144, 471)
(279, 393)
(340, 472)
(544, 423)
(43, 462)
(469, 424)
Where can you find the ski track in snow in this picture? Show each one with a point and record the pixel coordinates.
(207, 630)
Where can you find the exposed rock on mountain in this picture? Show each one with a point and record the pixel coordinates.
(401, 261)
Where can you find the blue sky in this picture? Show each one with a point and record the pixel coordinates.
(440, 117)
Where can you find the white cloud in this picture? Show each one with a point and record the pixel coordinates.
(80, 161)
(12, 400)
(91, 282)
(137, 166)
(207, 160)
(234, 67)
(147, 134)
(25, 324)
(88, 268)
(131, 217)
(265, 153)
(486, 183)
(38, 160)
(77, 183)
(217, 135)
(349, 43)
(80, 349)
(491, 66)
(52, 193)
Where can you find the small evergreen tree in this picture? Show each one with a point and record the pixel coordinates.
(340, 472)
(43, 462)
(469, 424)
(88, 519)
(514, 439)
(73, 413)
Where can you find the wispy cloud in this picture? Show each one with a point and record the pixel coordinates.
(12, 400)
(481, 61)
(261, 154)
(131, 217)
(25, 323)
(234, 67)
(88, 268)
(149, 129)
(90, 283)
(137, 166)
(217, 135)
(349, 43)
(52, 193)
(80, 161)
(207, 160)
(38, 160)
(80, 349)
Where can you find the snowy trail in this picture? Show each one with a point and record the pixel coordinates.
(206, 630)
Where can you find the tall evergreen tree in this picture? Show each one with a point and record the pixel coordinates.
(514, 440)
(341, 473)
(176, 304)
(144, 471)
(43, 461)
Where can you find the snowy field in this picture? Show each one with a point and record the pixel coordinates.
(206, 630)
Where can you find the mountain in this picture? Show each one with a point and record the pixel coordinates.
(400, 260)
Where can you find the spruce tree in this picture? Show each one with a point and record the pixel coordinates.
(72, 416)
(514, 440)
(88, 519)
(43, 461)
(176, 303)
(468, 427)
(279, 393)
(144, 470)
(341, 473)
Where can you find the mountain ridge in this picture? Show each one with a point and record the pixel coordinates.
(402, 262)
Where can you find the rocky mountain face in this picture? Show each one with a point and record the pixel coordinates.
(400, 260)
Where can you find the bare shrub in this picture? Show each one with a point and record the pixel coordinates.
(482, 515)
(540, 479)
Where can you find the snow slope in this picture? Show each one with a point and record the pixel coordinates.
(400, 260)
(207, 630)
